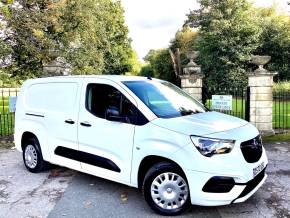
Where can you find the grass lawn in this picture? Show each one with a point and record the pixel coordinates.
(285, 137)
(238, 108)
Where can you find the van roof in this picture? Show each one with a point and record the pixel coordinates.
(117, 78)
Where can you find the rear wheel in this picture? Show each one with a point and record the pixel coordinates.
(32, 156)
(165, 189)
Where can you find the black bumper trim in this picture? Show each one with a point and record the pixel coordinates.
(251, 185)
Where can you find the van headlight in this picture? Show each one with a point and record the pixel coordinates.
(210, 146)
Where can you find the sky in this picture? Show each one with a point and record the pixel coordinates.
(153, 23)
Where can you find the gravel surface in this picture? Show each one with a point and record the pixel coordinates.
(65, 193)
(23, 194)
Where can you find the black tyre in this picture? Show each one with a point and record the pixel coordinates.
(32, 156)
(166, 190)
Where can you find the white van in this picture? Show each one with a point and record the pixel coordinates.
(144, 133)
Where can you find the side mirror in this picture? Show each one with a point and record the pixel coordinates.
(113, 114)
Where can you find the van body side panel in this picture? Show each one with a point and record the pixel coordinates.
(152, 140)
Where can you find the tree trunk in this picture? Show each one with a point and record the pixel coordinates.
(174, 62)
(178, 61)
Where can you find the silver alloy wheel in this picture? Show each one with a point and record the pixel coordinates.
(169, 191)
(30, 156)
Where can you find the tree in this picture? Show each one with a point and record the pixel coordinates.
(184, 41)
(167, 63)
(97, 30)
(228, 35)
(147, 71)
(275, 40)
(91, 35)
(161, 65)
(134, 64)
(30, 37)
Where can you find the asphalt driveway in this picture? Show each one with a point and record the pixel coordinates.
(65, 193)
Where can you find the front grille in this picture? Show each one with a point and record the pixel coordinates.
(252, 149)
(253, 183)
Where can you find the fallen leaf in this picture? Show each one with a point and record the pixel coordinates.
(124, 197)
(87, 204)
(54, 173)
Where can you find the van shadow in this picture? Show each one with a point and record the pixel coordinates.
(90, 196)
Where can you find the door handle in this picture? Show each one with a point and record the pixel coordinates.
(86, 124)
(69, 121)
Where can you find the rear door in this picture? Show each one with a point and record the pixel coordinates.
(106, 146)
(61, 121)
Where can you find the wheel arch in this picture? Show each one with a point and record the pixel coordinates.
(26, 136)
(29, 135)
(32, 128)
(147, 162)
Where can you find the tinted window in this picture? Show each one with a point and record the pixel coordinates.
(100, 97)
(164, 99)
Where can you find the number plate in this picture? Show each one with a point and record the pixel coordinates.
(258, 169)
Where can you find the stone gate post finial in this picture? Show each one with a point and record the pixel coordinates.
(260, 61)
(192, 68)
(192, 55)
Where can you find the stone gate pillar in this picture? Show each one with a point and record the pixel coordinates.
(192, 84)
(261, 95)
(191, 80)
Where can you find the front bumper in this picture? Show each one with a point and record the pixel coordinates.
(250, 189)
(241, 191)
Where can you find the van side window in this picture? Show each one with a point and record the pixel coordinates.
(99, 97)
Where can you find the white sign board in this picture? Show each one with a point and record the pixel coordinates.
(222, 102)
(12, 103)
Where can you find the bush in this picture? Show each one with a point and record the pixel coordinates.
(6, 81)
(282, 86)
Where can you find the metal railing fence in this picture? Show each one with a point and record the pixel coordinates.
(7, 114)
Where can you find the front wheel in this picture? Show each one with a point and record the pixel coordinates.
(165, 189)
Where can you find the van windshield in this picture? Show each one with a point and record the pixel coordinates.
(164, 99)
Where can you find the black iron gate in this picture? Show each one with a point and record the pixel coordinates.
(240, 101)
(6, 114)
(281, 109)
